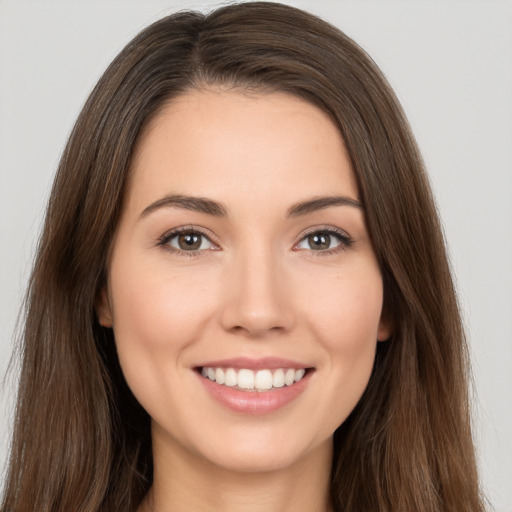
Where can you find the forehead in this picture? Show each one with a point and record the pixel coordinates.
(240, 148)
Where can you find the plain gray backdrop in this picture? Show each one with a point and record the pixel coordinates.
(450, 63)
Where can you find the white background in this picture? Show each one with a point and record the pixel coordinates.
(450, 63)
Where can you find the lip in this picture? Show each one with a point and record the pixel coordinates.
(254, 403)
(262, 363)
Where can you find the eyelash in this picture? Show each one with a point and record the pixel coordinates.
(345, 240)
(192, 230)
(340, 235)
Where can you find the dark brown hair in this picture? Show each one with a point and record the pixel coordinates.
(81, 441)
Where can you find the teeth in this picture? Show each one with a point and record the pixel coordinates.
(249, 380)
(230, 377)
(246, 379)
(298, 374)
(289, 377)
(219, 376)
(263, 380)
(278, 379)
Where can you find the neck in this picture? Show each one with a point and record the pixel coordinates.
(184, 482)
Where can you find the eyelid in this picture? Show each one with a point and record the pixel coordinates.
(163, 240)
(344, 238)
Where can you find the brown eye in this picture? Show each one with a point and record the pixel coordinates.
(319, 241)
(326, 241)
(189, 241)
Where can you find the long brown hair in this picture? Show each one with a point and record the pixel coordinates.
(81, 441)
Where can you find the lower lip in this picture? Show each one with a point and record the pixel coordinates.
(255, 402)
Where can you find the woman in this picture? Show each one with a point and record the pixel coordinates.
(241, 299)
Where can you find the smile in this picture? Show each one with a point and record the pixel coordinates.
(254, 386)
(245, 379)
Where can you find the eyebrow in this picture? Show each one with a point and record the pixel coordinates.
(197, 204)
(217, 209)
(320, 203)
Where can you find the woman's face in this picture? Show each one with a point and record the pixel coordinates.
(243, 290)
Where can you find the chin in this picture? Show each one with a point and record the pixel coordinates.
(255, 454)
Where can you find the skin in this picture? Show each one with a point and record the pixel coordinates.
(256, 287)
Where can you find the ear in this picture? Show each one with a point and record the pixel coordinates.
(385, 328)
(103, 308)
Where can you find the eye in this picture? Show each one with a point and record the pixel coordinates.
(325, 240)
(186, 240)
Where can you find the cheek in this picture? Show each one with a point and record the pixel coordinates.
(156, 316)
(345, 309)
(151, 307)
(345, 319)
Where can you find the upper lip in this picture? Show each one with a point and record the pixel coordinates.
(270, 363)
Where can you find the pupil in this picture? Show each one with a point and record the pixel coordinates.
(319, 241)
(189, 241)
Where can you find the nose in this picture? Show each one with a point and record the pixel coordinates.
(258, 298)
